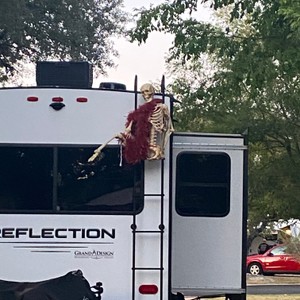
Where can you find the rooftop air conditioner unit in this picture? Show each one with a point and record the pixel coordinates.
(64, 74)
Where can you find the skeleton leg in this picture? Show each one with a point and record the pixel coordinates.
(157, 133)
(154, 148)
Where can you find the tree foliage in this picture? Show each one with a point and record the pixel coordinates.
(253, 82)
(68, 29)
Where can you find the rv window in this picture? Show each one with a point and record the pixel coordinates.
(59, 180)
(203, 184)
(26, 178)
(103, 186)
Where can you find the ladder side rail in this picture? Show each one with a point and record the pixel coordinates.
(133, 226)
(162, 226)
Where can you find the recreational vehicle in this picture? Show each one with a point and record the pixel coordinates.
(159, 228)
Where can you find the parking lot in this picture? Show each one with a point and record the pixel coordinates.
(276, 279)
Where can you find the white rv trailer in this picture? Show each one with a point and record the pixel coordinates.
(154, 230)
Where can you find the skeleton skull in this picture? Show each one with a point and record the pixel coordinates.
(147, 91)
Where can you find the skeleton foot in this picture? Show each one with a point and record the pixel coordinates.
(155, 152)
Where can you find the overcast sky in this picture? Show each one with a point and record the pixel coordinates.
(146, 61)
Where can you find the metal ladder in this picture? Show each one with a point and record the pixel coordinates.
(161, 227)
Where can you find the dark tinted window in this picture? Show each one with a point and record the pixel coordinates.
(26, 178)
(61, 180)
(203, 184)
(100, 186)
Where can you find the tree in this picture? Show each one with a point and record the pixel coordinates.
(69, 29)
(254, 83)
(291, 10)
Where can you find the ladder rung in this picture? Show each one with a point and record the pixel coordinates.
(148, 231)
(147, 269)
(158, 194)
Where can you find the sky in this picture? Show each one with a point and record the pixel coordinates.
(147, 61)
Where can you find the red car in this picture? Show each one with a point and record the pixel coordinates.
(275, 260)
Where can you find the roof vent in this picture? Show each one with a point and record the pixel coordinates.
(112, 86)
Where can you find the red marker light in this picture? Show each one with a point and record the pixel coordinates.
(148, 289)
(81, 99)
(57, 99)
(32, 99)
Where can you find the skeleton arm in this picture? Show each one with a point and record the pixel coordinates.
(99, 149)
(121, 136)
(168, 125)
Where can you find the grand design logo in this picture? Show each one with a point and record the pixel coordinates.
(94, 254)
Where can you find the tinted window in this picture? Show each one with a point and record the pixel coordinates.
(101, 186)
(61, 180)
(202, 184)
(26, 178)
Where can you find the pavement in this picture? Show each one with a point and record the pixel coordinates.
(275, 279)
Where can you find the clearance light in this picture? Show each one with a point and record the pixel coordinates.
(32, 98)
(81, 99)
(148, 289)
(57, 99)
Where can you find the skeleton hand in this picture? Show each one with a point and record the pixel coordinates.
(95, 155)
(97, 152)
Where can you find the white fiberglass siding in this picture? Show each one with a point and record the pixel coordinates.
(207, 251)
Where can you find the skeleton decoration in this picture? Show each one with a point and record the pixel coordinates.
(161, 124)
(147, 130)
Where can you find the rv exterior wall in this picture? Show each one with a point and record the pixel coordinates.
(207, 250)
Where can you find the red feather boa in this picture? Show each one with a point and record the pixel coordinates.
(136, 144)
